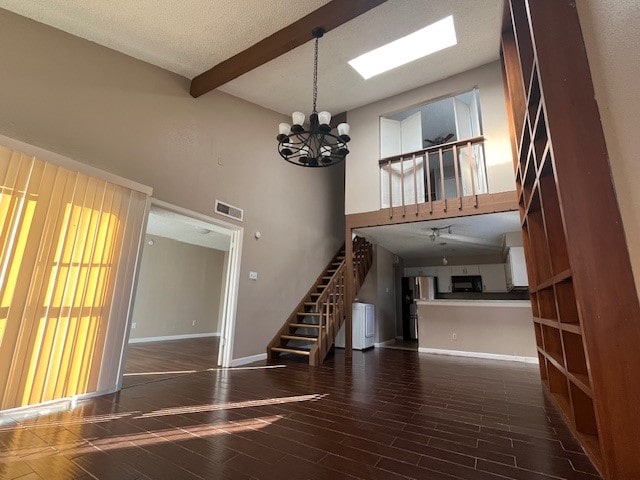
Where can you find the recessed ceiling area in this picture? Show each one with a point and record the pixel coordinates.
(473, 236)
(188, 38)
(167, 224)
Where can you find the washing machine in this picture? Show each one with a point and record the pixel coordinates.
(364, 327)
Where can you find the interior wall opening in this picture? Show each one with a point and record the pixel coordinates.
(185, 288)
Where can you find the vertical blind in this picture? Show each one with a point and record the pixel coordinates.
(68, 246)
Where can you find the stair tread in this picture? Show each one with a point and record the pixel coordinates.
(297, 351)
(299, 337)
(309, 314)
(305, 325)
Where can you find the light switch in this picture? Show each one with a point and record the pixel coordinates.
(253, 275)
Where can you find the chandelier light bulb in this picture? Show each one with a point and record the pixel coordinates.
(343, 132)
(284, 129)
(325, 151)
(324, 118)
(298, 118)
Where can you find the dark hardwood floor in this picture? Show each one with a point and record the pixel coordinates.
(391, 414)
(153, 361)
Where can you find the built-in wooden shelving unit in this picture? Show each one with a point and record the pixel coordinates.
(586, 315)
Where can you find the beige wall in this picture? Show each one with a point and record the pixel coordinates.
(363, 174)
(178, 284)
(612, 39)
(125, 116)
(495, 330)
(379, 290)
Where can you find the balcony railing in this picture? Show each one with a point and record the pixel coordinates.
(443, 172)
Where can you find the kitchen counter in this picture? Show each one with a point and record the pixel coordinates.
(501, 329)
(476, 303)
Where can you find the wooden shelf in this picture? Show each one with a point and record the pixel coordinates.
(591, 445)
(584, 302)
(582, 382)
(546, 321)
(571, 327)
(554, 360)
(553, 280)
(557, 324)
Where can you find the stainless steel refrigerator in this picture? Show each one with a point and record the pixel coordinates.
(423, 288)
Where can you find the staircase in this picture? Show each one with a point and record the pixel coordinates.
(313, 325)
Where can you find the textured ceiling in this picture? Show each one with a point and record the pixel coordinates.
(182, 36)
(189, 37)
(164, 223)
(474, 235)
(284, 84)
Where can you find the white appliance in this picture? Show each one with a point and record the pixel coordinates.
(364, 327)
(516, 269)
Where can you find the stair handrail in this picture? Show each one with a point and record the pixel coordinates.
(330, 305)
(300, 306)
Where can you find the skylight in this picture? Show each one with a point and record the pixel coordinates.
(427, 40)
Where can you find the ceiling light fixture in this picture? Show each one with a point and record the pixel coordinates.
(315, 146)
(427, 40)
(436, 231)
(444, 254)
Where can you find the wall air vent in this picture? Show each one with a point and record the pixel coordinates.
(229, 210)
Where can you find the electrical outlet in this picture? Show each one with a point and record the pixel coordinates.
(253, 275)
(193, 324)
(133, 325)
(454, 336)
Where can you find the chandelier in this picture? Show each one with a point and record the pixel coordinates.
(315, 144)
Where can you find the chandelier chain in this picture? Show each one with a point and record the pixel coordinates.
(315, 76)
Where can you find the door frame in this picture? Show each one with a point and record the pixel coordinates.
(230, 286)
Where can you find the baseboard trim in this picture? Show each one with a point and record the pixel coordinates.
(44, 408)
(173, 337)
(487, 356)
(238, 362)
(386, 342)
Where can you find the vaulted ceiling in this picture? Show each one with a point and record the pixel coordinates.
(190, 37)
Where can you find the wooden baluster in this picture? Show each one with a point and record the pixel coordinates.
(473, 165)
(415, 182)
(444, 195)
(428, 173)
(404, 208)
(390, 190)
(456, 170)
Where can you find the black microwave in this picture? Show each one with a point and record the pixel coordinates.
(466, 283)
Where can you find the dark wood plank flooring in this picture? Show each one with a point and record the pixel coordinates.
(391, 414)
(153, 361)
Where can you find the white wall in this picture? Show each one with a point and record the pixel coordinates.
(612, 40)
(178, 284)
(362, 171)
(101, 107)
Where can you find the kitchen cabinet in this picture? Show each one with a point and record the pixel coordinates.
(411, 271)
(444, 279)
(516, 269)
(465, 270)
(494, 278)
(420, 272)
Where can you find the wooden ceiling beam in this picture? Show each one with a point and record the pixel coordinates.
(329, 16)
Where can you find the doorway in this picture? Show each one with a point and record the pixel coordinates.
(183, 314)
